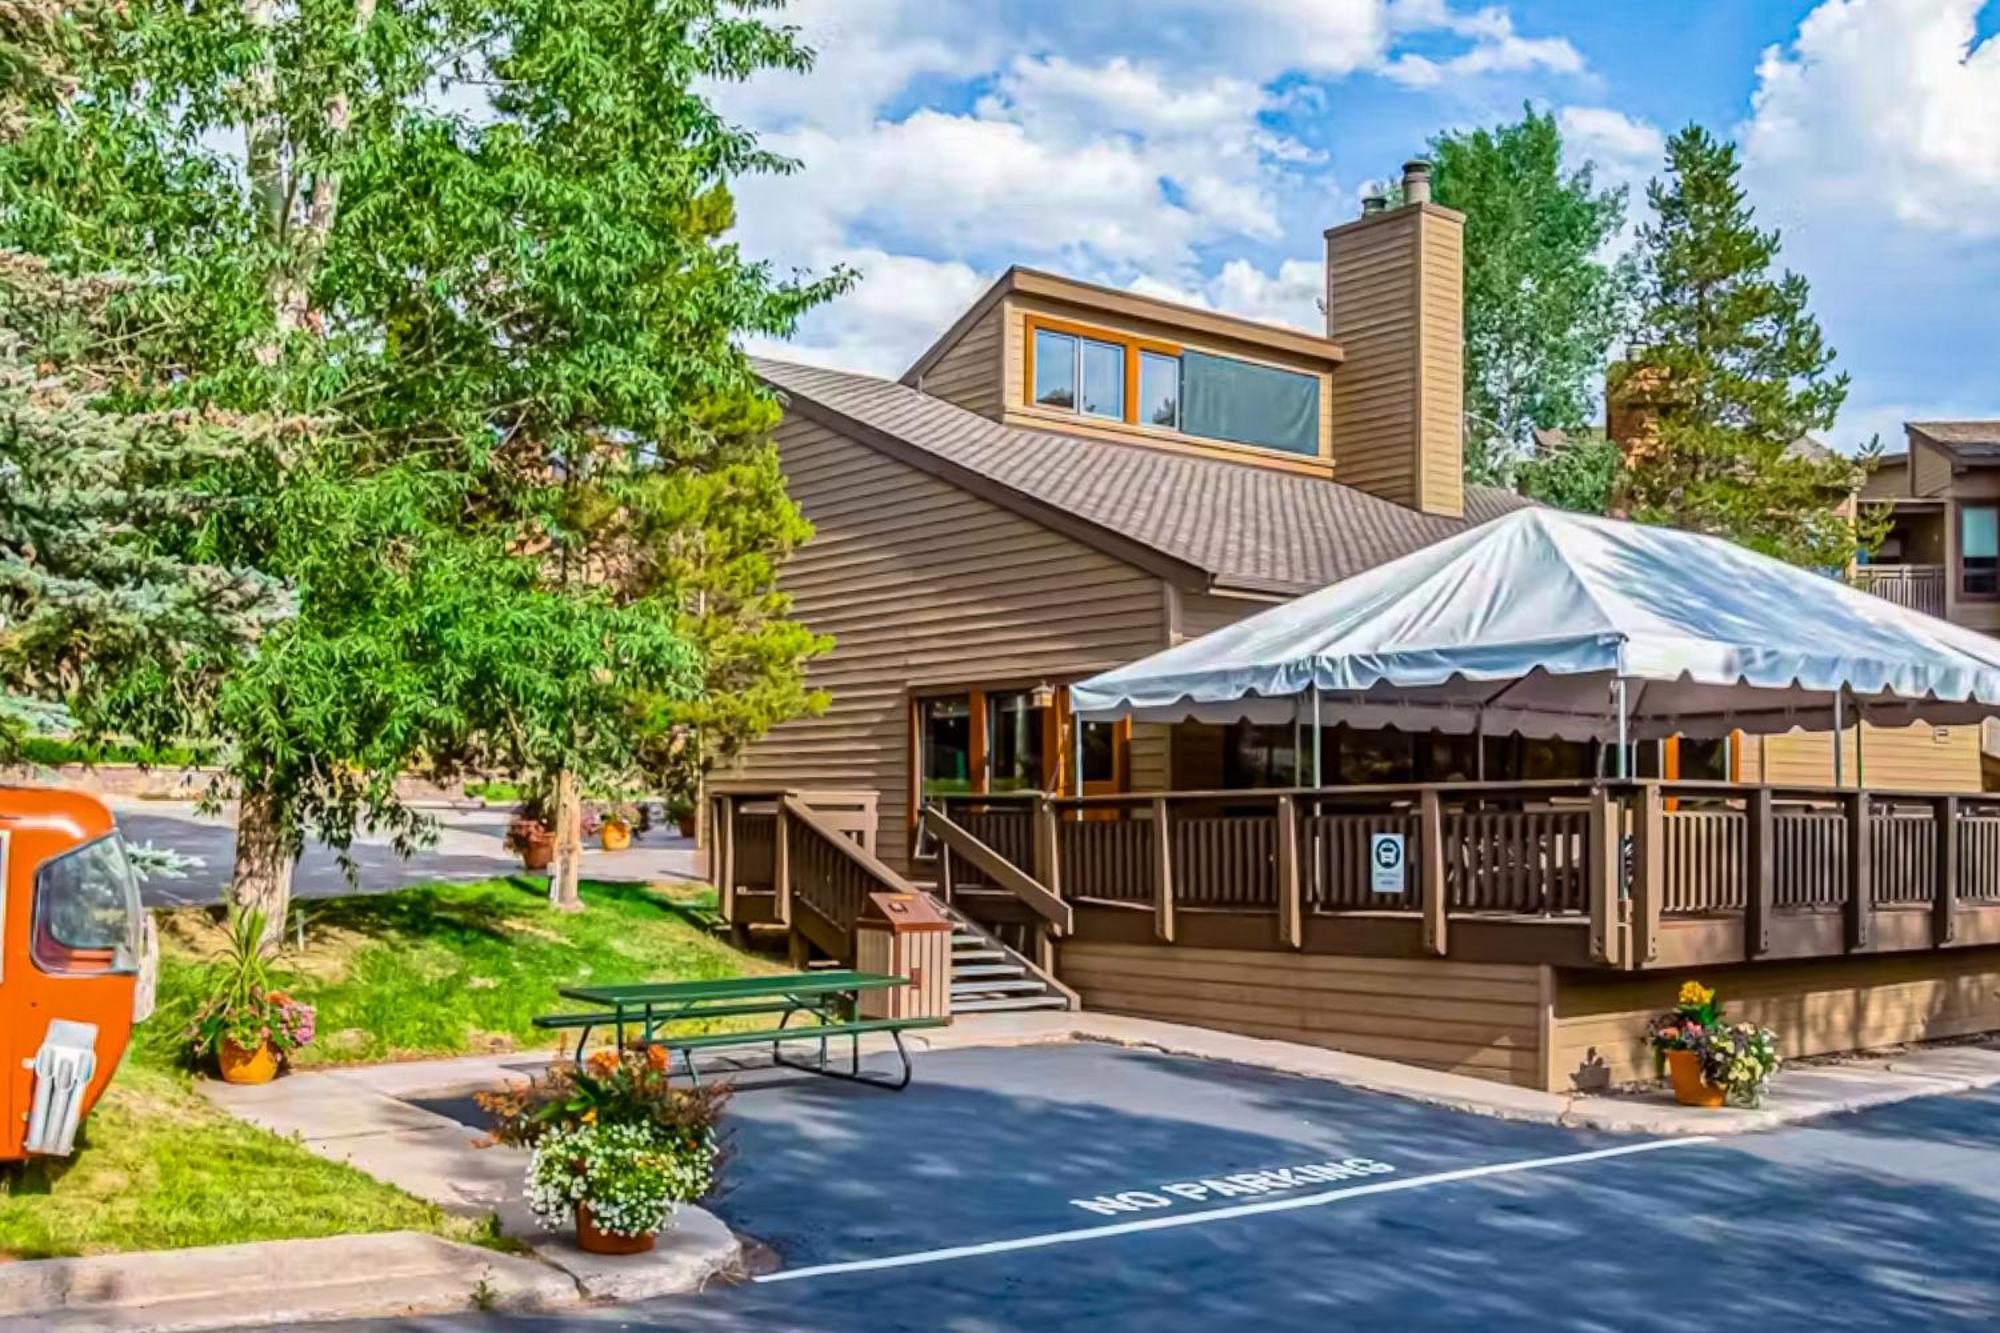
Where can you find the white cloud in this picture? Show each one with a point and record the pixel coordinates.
(1496, 49)
(894, 312)
(1615, 141)
(1885, 107)
(1128, 168)
(1289, 296)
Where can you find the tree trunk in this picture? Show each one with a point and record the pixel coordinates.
(567, 865)
(263, 877)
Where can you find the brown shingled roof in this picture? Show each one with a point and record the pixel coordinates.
(1242, 527)
(1969, 441)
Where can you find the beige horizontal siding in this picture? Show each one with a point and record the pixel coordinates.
(969, 373)
(922, 584)
(1478, 1019)
(1918, 758)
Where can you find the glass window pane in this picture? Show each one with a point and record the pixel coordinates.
(1979, 549)
(1259, 756)
(1055, 369)
(87, 911)
(1226, 399)
(1104, 380)
(1100, 752)
(947, 745)
(1160, 390)
(1014, 742)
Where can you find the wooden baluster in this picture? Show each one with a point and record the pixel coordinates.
(781, 865)
(1602, 857)
(1291, 917)
(725, 856)
(1760, 872)
(1163, 873)
(1860, 888)
(1430, 873)
(1944, 884)
(1648, 873)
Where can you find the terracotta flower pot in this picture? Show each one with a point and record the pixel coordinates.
(592, 1241)
(615, 835)
(241, 1066)
(536, 845)
(1690, 1089)
(685, 824)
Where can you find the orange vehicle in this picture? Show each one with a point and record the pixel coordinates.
(77, 961)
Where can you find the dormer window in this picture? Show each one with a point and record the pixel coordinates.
(1120, 377)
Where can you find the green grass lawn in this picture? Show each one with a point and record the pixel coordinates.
(158, 1167)
(452, 969)
(429, 971)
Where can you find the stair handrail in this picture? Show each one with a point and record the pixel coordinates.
(797, 810)
(1001, 871)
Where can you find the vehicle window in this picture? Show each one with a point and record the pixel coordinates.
(87, 910)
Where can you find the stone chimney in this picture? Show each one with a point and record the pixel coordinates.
(1395, 302)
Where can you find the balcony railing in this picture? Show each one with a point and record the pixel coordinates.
(1919, 587)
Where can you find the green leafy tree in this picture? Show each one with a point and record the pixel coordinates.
(1578, 472)
(1727, 374)
(507, 316)
(1542, 302)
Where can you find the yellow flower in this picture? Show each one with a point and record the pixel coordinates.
(1695, 994)
(590, 1117)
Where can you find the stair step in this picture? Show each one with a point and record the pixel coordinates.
(987, 970)
(981, 987)
(976, 955)
(959, 1006)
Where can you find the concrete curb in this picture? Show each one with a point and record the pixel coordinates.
(1799, 1094)
(287, 1282)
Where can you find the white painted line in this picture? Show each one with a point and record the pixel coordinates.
(1206, 1216)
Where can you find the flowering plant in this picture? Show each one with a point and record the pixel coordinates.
(1737, 1057)
(612, 1133)
(629, 1178)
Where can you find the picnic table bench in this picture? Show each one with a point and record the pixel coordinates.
(829, 998)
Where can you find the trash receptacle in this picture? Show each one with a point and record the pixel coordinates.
(905, 935)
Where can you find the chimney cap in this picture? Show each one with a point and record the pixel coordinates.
(1417, 181)
(1371, 204)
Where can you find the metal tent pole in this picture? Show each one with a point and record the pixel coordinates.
(1839, 726)
(1298, 746)
(1624, 743)
(1076, 725)
(1318, 778)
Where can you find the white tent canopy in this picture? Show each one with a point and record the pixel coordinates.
(1539, 621)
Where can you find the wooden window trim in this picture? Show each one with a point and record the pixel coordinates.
(1955, 533)
(1132, 343)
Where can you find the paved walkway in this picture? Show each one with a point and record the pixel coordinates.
(470, 846)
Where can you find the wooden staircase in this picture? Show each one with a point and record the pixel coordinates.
(987, 976)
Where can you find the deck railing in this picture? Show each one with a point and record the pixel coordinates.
(1660, 873)
(1919, 587)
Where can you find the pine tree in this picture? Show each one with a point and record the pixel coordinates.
(91, 591)
(1727, 374)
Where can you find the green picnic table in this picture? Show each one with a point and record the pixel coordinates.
(830, 999)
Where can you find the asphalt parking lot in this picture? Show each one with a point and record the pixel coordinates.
(1090, 1187)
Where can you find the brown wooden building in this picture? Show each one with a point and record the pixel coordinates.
(1074, 477)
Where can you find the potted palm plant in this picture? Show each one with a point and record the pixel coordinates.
(247, 1023)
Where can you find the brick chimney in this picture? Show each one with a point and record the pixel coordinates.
(1395, 302)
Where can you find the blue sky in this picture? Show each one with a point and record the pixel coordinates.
(1197, 148)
